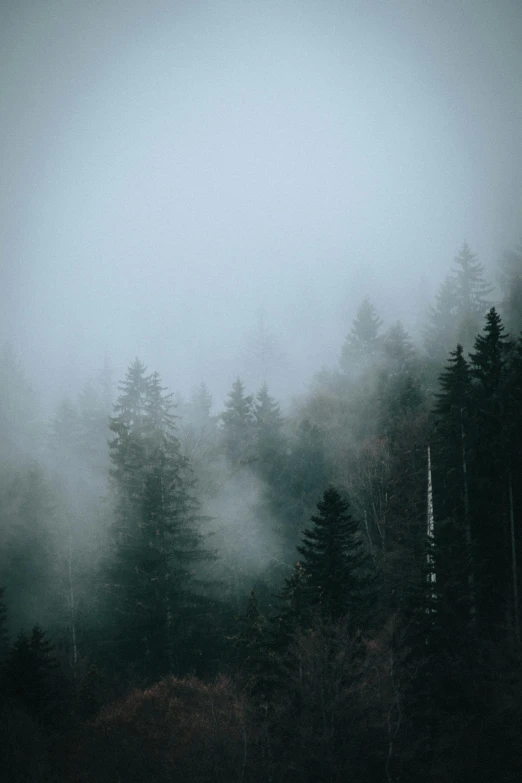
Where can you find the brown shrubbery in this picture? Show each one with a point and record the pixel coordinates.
(178, 730)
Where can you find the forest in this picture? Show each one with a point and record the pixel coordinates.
(235, 592)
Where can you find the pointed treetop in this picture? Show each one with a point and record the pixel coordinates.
(362, 342)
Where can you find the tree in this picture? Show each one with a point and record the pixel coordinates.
(452, 446)
(269, 441)
(238, 424)
(250, 643)
(28, 551)
(29, 671)
(156, 539)
(334, 560)
(362, 344)
(489, 448)
(461, 303)
(301, 484)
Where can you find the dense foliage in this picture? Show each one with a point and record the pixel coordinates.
(319, 594)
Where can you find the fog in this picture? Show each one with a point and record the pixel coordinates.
(172, 170)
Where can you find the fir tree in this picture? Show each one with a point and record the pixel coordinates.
(362, 344)
(489, 467)
(305, 474)
(461, 303)
(269, 441)
(29, 673)
(156, 540)
(334, 560)
(238, 424)
(250, 643)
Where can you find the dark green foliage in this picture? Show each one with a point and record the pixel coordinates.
(301, 484)
(489, 363)
(28, 552)
(334, 560)
(28, 676)
(157, 543)
(250, 643)
(238, 425)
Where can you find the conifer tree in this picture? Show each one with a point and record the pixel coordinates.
(269, 441)
(250, 643)
(362, 344)
(461, 303)
(238, 424)
(156, 540)
(302, 482)
(28, 673)
(489, 449)
(28, 556)
(334, 561)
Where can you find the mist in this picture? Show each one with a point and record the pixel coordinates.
(170, 170)
(261, 280)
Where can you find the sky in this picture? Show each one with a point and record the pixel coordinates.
(175, 174)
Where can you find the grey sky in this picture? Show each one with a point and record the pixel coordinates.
(169, 168)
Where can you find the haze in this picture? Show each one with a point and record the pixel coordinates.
(173, 170)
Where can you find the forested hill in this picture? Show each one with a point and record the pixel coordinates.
(328, 592)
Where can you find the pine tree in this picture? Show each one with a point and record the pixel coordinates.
(238, 424)
(250, 643)
(362, 344)
(294, 607)
(29, 673)
(156, 540)
(489, 468)
(28, 555)
(334, 560)
(269, 441)
(472, 291)
(440, 332)
(302, 482)
(401, 386)
(461, 303)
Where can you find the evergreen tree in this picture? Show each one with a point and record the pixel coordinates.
(269, 441)
(471, 291)
(238, 422)
(461, 303)
(302, 481)
(334, 560)
(401, 386)
(440, 332)
(489, 363)
(362, 344)
(28, 553)
(29, 673)
(250, 643)
(156, 540)
(294, 607)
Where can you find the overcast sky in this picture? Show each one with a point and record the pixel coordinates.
(169, 169)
